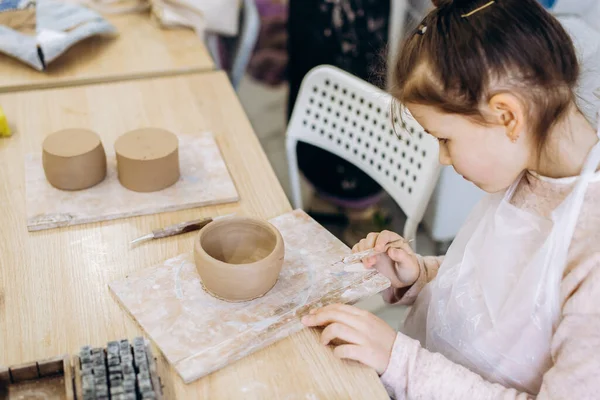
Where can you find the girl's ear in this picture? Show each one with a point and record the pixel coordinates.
(508, 110)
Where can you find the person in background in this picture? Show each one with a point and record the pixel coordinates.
(511, 311)
(270, 57)
(351, 35)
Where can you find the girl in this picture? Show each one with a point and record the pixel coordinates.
(512, 310)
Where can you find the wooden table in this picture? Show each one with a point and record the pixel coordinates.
(141, 50)
(53, 284)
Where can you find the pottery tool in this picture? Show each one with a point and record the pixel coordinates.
(177, 229)
(200, 334)
(356, 257)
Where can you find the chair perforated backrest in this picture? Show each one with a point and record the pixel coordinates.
(352, 119)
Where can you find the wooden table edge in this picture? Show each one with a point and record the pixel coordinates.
(69, 82)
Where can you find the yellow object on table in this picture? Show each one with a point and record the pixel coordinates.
(4, 128)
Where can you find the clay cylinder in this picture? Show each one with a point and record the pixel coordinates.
(239, 259)
(73, 159)
(147, 159)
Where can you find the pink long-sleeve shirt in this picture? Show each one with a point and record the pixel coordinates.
(415, 373)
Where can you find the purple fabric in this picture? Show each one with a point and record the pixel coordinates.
(358, 204)
(269, 8)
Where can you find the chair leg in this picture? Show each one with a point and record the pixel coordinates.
(249, 30)
(290, 145)
(410, 231)
(212, 43)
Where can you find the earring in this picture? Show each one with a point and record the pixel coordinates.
(514, 139)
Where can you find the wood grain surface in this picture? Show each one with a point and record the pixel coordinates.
(54, 296)
(141, 50)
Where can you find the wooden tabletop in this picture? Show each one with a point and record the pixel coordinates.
(54, 296)
(141, 50)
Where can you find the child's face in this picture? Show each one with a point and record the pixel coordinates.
(484, 155)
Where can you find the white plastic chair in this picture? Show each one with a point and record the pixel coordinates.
(352, 119)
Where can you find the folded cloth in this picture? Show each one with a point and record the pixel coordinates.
(218, 16)
(59, 26)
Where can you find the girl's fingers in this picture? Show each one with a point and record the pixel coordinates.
(398, 255)
(327, 317)
(352, 352)
(334, 314)
(369, 262)
(343, 333)
(384, 238)
(406, 267)
(404, 246)
(360, 246)
(366, 243)
(369, 241)
(343, 307)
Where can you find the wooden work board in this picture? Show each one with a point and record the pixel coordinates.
(204, 180)
(200, 334)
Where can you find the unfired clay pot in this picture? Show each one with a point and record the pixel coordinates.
(239, 259)
(147, 159)
(73, 159)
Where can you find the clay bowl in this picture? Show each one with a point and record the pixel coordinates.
(239, 259)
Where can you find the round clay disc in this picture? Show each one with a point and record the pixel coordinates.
(147, 159)
(73, 159)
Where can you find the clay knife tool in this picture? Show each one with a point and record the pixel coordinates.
(356, 257)
(177, 229)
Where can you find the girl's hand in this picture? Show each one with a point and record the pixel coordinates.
(357, 334)
(399, 264)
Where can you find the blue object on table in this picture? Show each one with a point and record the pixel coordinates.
(9, 5)
(547, 3)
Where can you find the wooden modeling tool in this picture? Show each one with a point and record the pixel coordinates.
(356, 257)
(177, 229)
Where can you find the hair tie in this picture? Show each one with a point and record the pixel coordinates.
(421, 29)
